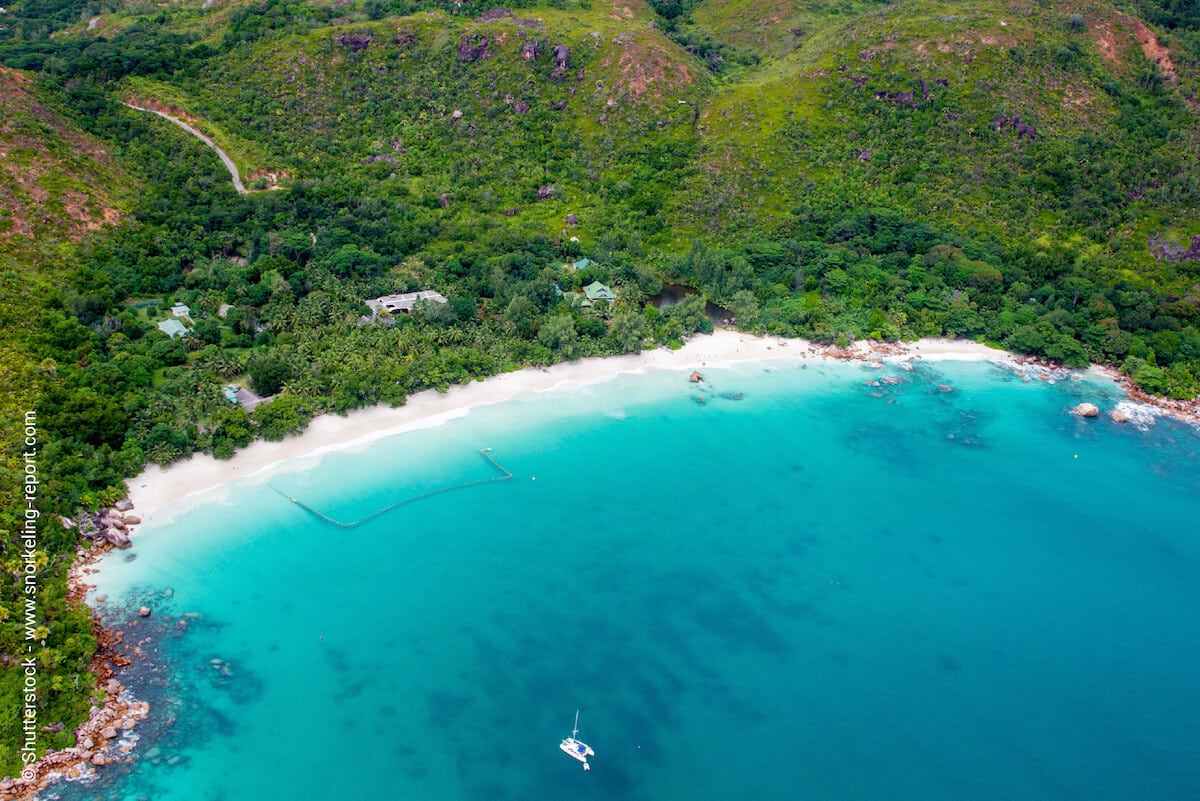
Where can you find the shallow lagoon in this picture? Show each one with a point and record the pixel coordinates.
(824, 590)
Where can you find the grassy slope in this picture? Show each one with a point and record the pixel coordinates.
(56, 184)
(314, 106)
(771, 141)
(797, 132)
(772, 28)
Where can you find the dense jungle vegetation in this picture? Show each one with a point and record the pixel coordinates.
(1022, 173)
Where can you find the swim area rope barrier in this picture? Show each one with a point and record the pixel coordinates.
(486, 453)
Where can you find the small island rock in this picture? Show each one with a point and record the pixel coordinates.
(695, 377)
(1086, 410)
(144, 611)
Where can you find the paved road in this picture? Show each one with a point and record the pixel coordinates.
(228, 162)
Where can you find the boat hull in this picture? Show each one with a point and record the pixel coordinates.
(577, 751)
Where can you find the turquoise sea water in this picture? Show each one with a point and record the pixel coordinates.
(823, 590)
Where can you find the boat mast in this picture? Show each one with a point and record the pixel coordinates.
(576, 729)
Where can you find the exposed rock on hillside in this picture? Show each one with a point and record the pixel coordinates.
(900, 98)
(1020, 126)
(62, 183)
(499, 12)
(1171, 253)
(472, 47)
(355, 40)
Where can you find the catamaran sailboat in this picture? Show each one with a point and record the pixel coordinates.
(575, 749)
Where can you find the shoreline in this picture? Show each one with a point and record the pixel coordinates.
(158, 493)
(158, 489)
(108, 735)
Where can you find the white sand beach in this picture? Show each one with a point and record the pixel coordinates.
(158, 488)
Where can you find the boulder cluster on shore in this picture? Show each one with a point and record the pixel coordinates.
(104, 738)
(107, 736)
(113, 525)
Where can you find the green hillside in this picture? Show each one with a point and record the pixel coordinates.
(56, 185)
(1022, 172)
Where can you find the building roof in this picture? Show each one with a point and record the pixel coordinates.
(598, 291)
(584, 262)
(405, 301)
(172, 328)
(243, 397)
(181, 310)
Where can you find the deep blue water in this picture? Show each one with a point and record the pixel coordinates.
(821, 591)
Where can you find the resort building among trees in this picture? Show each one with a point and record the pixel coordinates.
(404, 302)
(173, 328)
(595, 292)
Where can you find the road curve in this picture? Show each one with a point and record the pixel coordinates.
(228, 162)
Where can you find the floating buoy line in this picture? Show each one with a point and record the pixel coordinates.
(486, 453)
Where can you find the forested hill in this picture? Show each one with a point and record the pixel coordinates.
(1017, 171)
(56, 185)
